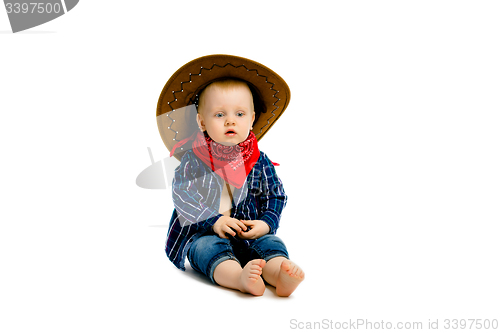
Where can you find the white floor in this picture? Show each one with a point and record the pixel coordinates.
(389, 152)
(111, 274)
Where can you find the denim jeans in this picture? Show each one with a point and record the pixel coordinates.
(210, 250)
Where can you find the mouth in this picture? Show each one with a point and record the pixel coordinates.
(230, 133)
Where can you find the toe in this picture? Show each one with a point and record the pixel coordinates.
(285, 265)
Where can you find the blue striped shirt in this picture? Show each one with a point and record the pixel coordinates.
(196, 192)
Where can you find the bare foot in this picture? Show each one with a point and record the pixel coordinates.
(290, 276)
(250, 280)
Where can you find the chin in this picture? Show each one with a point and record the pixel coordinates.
(230, 141)
(225, 143)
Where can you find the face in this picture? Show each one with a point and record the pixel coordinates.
(227, 114)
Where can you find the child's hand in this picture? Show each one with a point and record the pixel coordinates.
(257, 228)
(224, 225)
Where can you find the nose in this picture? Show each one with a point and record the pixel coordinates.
(230, 121)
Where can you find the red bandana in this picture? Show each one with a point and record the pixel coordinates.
(232, 163)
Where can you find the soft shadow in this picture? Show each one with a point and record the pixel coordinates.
(273, 290)
(191, 273)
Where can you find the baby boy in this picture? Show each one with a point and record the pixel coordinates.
(228, 199)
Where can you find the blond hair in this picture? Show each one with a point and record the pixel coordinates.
(224, 84)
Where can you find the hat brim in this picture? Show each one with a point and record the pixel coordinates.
(176, 112)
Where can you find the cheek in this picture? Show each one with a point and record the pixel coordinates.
(246, 123)
(214, 124)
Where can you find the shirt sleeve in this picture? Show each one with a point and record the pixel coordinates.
(273, 198)
(190, 201)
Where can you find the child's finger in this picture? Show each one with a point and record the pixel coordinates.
(230, 231)
(248, 222)
(233, 226)
(222, 234)
(241, 225)
(248, 235)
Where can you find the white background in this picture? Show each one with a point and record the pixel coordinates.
(389, 152)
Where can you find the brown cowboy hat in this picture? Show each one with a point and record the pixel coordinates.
(176, 111)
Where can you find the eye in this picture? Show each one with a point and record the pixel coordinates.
(219, 115)
(240, 114)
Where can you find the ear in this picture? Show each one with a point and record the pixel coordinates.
(253, 119)
(201, 122)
